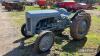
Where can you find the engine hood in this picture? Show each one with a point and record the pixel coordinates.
(44, 13)
(41, 12)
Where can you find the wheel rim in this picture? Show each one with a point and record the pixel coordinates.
(25, 30)
(82, 28)
(46, 42)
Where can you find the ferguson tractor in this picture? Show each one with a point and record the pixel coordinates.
(48, 23)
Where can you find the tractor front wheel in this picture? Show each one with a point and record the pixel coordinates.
(44, 41)
(24, 31)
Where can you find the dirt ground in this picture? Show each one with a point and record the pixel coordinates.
(7, 33)
(9, 41)
(94, 12)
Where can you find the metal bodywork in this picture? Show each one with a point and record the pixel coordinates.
(48, 23)
(39, 20)
(13, 5)
(72, 5)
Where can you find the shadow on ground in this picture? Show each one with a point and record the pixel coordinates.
(71, 46)
(74, 45)
(60, 39)
(24, 50)
(98, 51)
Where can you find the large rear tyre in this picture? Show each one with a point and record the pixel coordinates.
(80, 25)
(44, 41)
(24, 31)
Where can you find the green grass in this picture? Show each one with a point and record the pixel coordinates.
(21, 13)
(98, 7)
(62, 43)
(28, 8)
(94, 32)
(19, 16)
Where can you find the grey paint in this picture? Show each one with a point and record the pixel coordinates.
(34, 17)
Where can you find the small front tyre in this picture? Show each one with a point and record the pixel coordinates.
(44, 41)
(24, 31)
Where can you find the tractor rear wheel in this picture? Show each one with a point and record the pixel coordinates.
(80, 25)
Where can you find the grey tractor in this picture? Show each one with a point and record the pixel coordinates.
(50, 23)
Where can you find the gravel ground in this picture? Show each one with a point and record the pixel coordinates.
(94, 12)
(7, 33)
(9, 38)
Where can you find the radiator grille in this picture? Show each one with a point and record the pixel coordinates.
(28, 24)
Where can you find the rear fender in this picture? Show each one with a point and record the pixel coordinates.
(76, 13)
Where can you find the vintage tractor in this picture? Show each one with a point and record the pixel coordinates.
(48, 23)
(14, 5)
